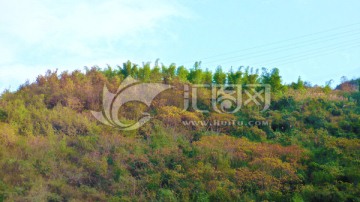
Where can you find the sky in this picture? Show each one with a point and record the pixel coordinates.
(317, 40)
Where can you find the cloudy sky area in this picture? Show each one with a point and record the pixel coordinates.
(318, 40)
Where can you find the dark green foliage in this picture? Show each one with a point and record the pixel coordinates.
(284, 104)
(315, 120)
(3, 115)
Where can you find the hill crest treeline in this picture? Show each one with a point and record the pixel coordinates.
(52, 149)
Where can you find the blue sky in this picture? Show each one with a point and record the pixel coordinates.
(317, 40)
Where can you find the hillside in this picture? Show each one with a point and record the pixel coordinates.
(305, 147)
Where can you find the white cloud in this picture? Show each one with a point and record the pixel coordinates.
(34, 20)
(40, 33)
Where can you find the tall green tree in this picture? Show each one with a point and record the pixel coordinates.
(109, 72)
(196, 75)
(182, 73)
(299, 84)
(234, 77)
(135, 71)
(126, 69)
(219, 76)
(272, 78)
(208, 77)
(145, 72)
(168, 72)
(156, 75)
(251, 77)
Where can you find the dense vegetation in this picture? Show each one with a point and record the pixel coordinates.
(52, 149)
